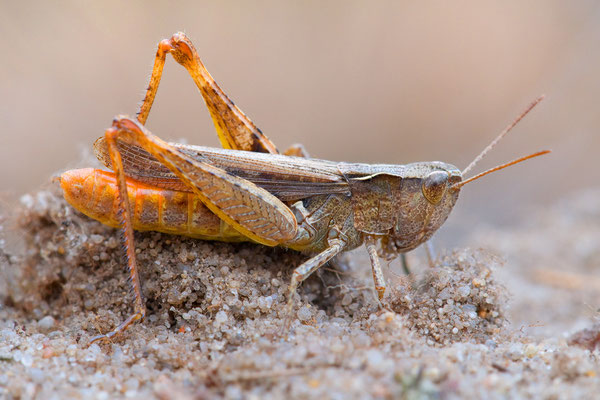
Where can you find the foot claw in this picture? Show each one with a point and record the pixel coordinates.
(139, 316)
(95, 339)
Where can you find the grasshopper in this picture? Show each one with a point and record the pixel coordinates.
(248, 191)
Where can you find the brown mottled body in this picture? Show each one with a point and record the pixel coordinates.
(248, 191)
(386, 205)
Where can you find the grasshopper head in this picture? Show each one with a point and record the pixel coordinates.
(428, 191)
(424, 199)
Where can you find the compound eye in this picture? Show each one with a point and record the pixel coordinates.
(434, 186)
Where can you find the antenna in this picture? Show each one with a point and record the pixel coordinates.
(499, 167)
(502, 134)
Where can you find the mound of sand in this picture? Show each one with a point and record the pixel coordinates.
(216, 313)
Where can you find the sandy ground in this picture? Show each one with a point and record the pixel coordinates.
(513, 320)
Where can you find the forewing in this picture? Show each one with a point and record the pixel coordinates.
(288, 178)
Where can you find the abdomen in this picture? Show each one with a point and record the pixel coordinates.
(95, 193)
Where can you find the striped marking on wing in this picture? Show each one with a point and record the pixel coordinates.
(249, 209)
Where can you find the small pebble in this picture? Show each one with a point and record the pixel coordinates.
(46, 323)
(464, 291)
(304, 314)
(221, 317)
(531, 350)
(97, 239)
(37, 375)
(131, 384)
(374, 358)
(347, 299)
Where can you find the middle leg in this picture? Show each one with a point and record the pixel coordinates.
(336, 243)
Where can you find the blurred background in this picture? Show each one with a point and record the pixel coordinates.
(388, 82)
